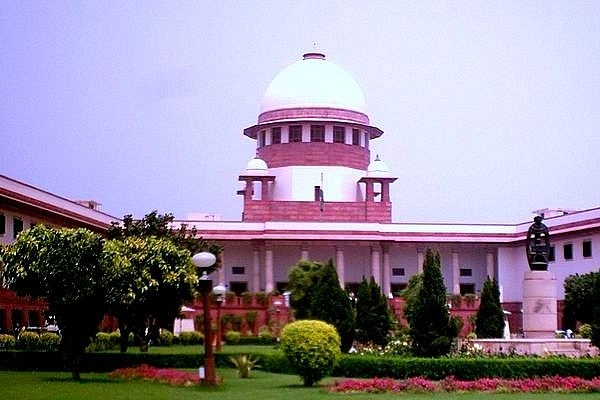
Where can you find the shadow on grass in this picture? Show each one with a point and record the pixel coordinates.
(54, 379)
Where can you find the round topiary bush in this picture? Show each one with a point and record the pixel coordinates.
(7, 342)
(166, 337)
(191, 338)
(312, 348)
(115, 338)
(28, 341)
(233, 337)
(49, 341)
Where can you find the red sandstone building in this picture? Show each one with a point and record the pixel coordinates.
(315, 191)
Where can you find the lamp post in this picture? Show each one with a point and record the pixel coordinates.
(203, 261)
(219, 291)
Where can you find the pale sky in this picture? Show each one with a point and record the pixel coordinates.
(491, 109)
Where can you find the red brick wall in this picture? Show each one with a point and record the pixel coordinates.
(260, 211)
(334, 154)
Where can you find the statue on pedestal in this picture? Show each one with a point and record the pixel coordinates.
(538, 245)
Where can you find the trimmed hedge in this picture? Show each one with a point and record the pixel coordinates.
(348, 365)
(354, 366)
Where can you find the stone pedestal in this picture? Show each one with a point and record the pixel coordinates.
(539, 304)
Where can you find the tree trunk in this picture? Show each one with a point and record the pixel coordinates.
(124, 339)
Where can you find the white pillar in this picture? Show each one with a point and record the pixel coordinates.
(376, 264)
(489, 264)
(420, 260)
(339, 263)
(222, 269)
(256, 269)
(455, 273)
(269, 286)
(387, 287)
(303, 253)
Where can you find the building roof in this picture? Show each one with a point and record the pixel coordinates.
(313, 82)
(27, 197)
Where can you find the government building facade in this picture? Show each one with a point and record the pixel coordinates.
(314, 190)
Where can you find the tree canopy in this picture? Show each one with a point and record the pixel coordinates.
(489, 321)
(316, 294)
(431, 327)
(64, 268)
(579, 300)
(373, 317)
(146, 278)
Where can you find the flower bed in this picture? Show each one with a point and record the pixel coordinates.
(163, 375)
(450, 384)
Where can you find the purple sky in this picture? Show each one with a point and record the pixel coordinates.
(490, 109)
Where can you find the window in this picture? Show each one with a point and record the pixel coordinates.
(397, 288)
(466, 272)
(275, 135)
(261, 139)
(467, 288)
(552, 254)
(318, 193)
(295, 133)
(317, 133)
(568, 251)
(17, 226)
(238, 287)
(238, 270)
(356, 137)
(587, 248)
(339, 134)
(2, 224)
(398, 272)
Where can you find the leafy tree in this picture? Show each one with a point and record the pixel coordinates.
(330, 303)
(411, 295)
(147, 277)
(64, 268)
(316, 294)
(373, 317)
(152, 299)
(579, 301)
(489, 322)
(432, 330)
(302, 279)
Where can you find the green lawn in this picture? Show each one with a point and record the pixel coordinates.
(261, 385)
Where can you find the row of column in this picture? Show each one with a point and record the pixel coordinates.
(380, 262)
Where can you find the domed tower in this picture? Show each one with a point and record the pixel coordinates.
(312, 137)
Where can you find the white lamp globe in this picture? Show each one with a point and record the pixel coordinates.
(219, 290)
(204, 259)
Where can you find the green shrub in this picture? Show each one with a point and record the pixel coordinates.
(115, 338)
(28, 341)
(251, 317)
(7, 342)
(312, 348)
(49, 341)
(265, 336)
(166, 337)
(101, 342)
(585, 331)
(233, 337)
(191, 338)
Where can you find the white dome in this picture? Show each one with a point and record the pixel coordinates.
(378, 169)
(257, 166)
(313, 82)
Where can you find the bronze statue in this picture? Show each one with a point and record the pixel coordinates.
(538, 245)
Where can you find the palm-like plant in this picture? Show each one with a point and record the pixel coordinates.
(244, 364)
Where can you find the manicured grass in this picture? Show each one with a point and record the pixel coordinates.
(199, 349)
(261, 385)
